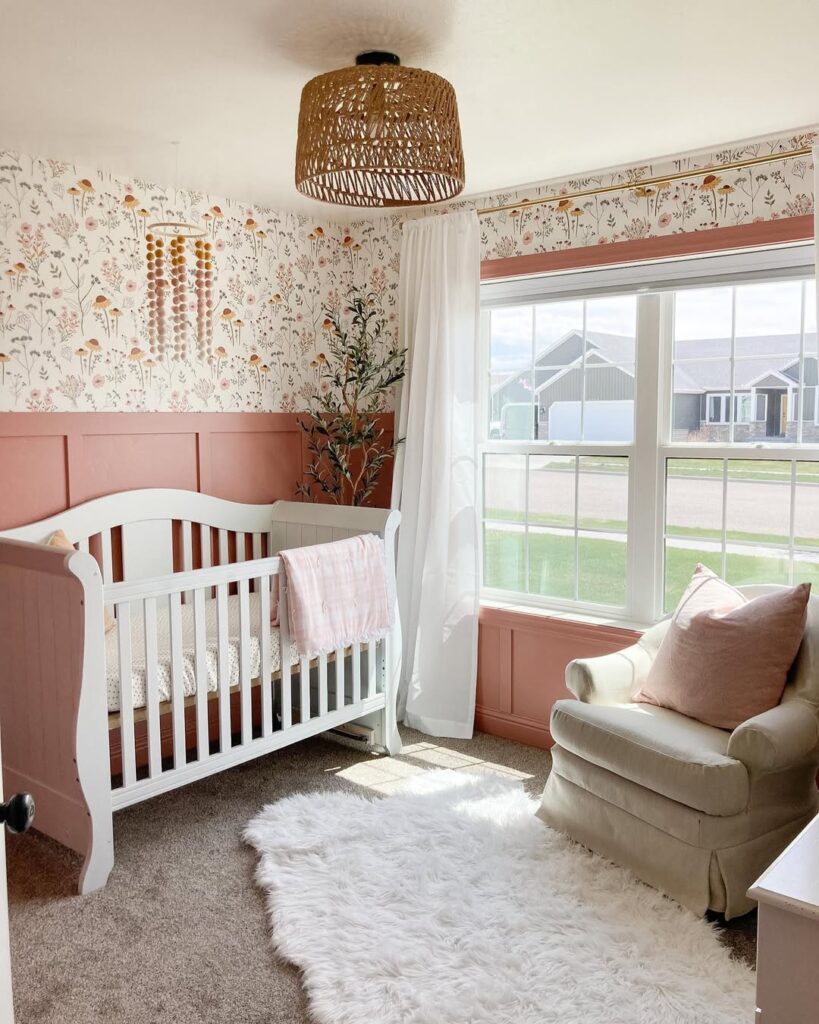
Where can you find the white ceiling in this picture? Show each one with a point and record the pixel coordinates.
(546, 88)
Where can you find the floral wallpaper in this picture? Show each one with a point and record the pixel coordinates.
(708, 200)
(74, 314)
(74, 303)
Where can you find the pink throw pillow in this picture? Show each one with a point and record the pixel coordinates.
(724, 658)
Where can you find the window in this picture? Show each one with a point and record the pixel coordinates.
(635, 427)
(746, 408)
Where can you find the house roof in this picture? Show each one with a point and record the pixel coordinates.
(703, 364)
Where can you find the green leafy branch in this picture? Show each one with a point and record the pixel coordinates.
(346, 443)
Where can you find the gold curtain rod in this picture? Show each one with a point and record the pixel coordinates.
(643, 183)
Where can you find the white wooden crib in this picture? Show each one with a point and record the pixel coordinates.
(191, 679)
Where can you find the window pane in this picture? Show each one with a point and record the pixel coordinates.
(769, 310)
(758, 541)
(702, 365)
(810, 306)
(702, 315)
(681, 558)
(758, 502)
(511, 413)
(608, 413)
(611, 329)
(761, 367)
(558, 332)
(504, 487)
(503, 556)
(810, 403)
(602, 569)
(551, 490)
(552, 563)
(806, 568)
(806, 505)
(744, 566)
(602, 500)
(510, 338)
(560, 419)
(694, 498)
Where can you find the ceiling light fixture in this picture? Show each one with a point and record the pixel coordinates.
(378, 134)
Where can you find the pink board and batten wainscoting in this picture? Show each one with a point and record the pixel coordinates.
(522, 659)
(51, 461)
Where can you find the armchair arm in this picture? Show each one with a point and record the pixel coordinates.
(610, 679)
(777, 738)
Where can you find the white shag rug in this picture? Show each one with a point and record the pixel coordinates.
(449, 902)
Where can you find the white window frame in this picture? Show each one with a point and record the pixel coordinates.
(655, 283)
(724, 398)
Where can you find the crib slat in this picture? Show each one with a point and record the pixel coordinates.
(187, 546)
(323, 534)
(265, 680)
(241, 555)
(339, 678)
(152, 687)
(201, 669)
(177, 681)
(244, 660)
(204, 542)
(126, 694)
(107, 562)
(187, 555)
(257, 553)
(356, 660)
(371, 653)
(223, 548)
(82, 543)
(304, 681)
(223, 665)
(284, 650)
(107, 557)
(322, 684)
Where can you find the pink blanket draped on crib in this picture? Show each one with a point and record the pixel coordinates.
(337, 594)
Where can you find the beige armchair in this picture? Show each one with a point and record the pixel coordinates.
(695, 811)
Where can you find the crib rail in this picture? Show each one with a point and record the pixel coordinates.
(202, 682)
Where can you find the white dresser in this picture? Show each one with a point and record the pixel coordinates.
(787, 982)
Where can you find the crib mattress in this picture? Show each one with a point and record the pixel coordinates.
(163, 666)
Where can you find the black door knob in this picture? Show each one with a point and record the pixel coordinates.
(18, 812)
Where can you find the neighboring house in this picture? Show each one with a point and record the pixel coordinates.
(765, 387)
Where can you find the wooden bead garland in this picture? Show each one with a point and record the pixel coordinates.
(168, 280)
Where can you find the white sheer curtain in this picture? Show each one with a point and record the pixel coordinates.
(436, 473)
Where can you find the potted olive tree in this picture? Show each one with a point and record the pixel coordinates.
(347, 443)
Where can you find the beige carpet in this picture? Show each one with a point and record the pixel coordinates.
(179, 933)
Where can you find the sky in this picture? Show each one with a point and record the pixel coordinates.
(762, 308)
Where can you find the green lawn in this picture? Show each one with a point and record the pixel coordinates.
(602, 567)
(738, 469)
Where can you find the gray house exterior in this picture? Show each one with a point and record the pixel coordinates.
(766, 386)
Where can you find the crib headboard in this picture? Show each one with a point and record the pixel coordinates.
(146, 533)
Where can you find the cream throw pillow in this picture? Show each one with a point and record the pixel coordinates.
(58, 539)
(724, 658)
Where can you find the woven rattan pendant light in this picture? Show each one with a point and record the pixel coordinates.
(378, 134)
